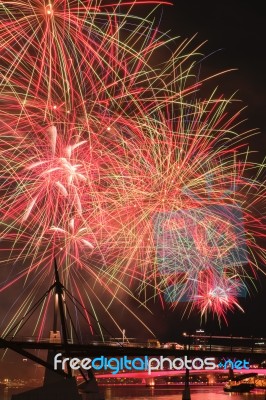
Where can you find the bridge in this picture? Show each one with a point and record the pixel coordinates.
(231, 350)
(181, 372)
(229, 347)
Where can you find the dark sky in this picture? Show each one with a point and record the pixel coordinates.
(236, 34)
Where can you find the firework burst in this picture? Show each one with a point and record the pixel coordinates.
(112, 166)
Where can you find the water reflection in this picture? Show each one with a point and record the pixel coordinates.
(175, 393)
(161, 393)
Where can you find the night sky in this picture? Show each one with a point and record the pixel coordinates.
(235, 34)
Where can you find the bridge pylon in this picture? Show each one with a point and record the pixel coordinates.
(60, 384)
(186, 391)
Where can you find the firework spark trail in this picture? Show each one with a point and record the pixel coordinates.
(96, 144)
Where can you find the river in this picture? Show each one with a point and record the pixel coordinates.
(171, 392)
